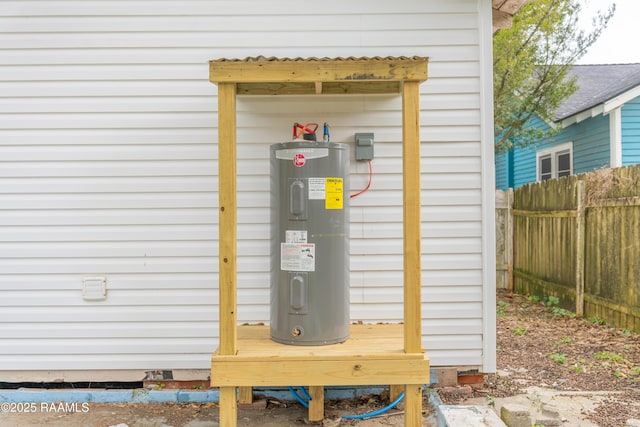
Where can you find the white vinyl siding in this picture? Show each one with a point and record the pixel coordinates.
(108, 160)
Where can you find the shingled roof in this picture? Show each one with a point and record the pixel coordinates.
(598, 84)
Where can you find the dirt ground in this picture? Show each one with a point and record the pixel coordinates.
(540, 345)
(263, 413)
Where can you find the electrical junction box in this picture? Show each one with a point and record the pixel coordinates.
(364, 146)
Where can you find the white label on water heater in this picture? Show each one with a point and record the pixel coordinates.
(297, 256)
(296, 236)
(317, 189)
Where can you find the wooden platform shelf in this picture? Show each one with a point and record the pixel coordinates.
(373, 355)
(377, 354)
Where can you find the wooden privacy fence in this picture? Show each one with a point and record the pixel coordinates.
(576, 238)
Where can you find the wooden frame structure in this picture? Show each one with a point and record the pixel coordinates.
(375, 354)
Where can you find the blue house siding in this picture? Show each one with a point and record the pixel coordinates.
(502, 170)
(590, 150)
(524, 159)
(631, 132)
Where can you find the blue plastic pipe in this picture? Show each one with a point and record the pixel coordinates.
(374, 413)
(348, 417)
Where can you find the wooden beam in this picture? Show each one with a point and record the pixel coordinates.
(328, 88)
(232, 371)
(411, 216)
(227, 214)
(318, 70)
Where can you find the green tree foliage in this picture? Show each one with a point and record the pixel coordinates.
(531, 62)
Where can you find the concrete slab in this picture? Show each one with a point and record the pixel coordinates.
(568, 407)
(468, 416)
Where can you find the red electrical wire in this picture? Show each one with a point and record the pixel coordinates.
(368, 184)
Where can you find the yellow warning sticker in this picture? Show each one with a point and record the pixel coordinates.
(334, 190)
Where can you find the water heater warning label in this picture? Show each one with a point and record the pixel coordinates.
(297, 256)
(335, 193)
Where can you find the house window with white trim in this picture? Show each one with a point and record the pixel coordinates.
(555, 162)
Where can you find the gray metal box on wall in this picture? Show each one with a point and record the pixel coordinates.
(309, 243)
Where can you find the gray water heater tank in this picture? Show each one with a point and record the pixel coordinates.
(309, 243)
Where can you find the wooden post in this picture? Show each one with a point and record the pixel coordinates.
(508, 239)
(227, 241)
(411, 217)
(413, 406)
(412, 241)
(228, 407)
(580, 247)
(245, 395)
(395, 390)
(316, 405)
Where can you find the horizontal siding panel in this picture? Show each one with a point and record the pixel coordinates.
(110, 249)
(455, 342)
(19, 152)
(243, 23)
(177, 297)
(108, 217)
(440, 357)
(457, 310)
(97, 330)
(103, 73)
(138, 345)
(435, 261)
(122, 361)
(216, 8)
(368, 230)
(113, 233)
(451, 327)
(89, 266)
(111, 201)
(147, 184)
(156, 120)
(434, 277)
(162, 104)
(66, 282)
(34, 90)
(222, 39)
(434, 197)
(444, 294)
(125, 314)
(450, 213)
(461, 61)
(109, 169)
(380, 295)
(372, 313)
(372, 246)
(464, 261)
(430, 214)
